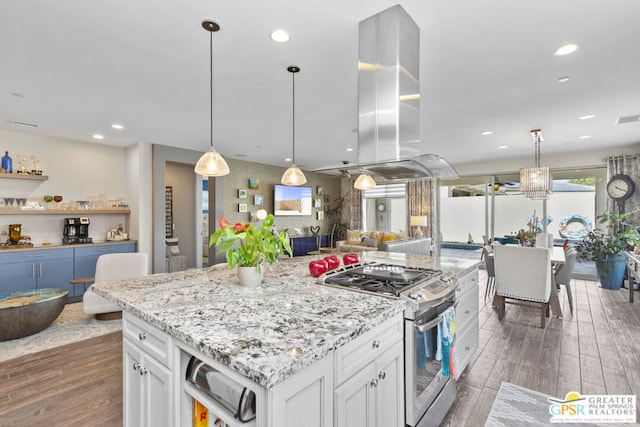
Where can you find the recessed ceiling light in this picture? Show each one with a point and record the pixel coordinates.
(349, 149)
(587, 117)
(288, 159)
(486, 132)
(584, 137)
(117, 126)
(563, 79)
(566, 49)
(279, 36)
(502, 147)
(97, 136)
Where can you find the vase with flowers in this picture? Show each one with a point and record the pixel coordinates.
(250, 247)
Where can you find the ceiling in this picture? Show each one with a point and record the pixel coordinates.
(75, 67)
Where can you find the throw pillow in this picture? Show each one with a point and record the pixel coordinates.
(353, 237)
(372, 243)
(172, 246)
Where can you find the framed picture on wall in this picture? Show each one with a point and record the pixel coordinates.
(254, 184)
(319, 190)
(317, 203)
(242, 207)
(257, 200)
(242, 194)
(320, 215)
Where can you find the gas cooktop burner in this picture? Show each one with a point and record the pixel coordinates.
(384, 279)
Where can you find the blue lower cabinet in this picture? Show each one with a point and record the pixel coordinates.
(302, 245)
(53, 268)
(28, 269)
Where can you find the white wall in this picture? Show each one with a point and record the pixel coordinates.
(76, 171)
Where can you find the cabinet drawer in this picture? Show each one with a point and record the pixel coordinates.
(355, 355)
(149, 338)
(467, 308)
(97, 250)
(466, 283)
(467, 343)
(39, 255)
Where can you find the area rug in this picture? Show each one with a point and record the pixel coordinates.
(519, 406)
(72, 325)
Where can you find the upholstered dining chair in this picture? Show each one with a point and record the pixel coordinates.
(564, 273)
(489, 264)
(523, 274)
(109, 268)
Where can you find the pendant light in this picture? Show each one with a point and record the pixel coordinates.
(211, 163)
(536, 183)
(364, 182)
(293, 175)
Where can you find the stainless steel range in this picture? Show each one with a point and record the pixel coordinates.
(428, 293)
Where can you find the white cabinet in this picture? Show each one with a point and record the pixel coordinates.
(305, 399)
(373, 396)
(360, 383)
(369, 378)
(467, 323)
(148, 382)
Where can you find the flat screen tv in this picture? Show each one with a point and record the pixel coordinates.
(289, 201)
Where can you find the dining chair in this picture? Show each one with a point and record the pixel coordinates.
(564, 273)
(523, 274)
(491, 272)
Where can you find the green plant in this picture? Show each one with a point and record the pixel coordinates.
(620, 235)
(249, 246)
(333, 213)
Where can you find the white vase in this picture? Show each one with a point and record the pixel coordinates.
(250, 276)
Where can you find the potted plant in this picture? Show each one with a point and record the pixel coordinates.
(607, 247)
(250, 247)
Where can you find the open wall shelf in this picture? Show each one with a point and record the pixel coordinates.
(23, 177)
(66, 212)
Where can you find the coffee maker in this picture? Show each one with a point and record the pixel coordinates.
(76, 230)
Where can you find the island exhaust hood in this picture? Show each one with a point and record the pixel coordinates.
(389, 102)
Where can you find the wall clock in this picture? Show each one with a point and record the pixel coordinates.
(620, 187)
(381, 207)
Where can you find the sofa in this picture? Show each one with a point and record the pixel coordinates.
(415, 245)
(389, 242)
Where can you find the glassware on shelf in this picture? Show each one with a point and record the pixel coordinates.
(36, 166)
(7, 162)
(22, 170)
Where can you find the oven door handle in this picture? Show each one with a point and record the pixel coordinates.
(429, 325)
(433, 322)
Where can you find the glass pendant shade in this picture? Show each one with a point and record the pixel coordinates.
(211, 164)
(293, 176)
(364, 182)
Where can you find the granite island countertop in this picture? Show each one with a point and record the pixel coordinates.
(268, 333)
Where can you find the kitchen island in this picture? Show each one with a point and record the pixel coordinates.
(291, 340)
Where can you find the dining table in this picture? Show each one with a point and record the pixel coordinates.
(557, 259)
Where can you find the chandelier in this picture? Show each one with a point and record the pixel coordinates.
(536, 183)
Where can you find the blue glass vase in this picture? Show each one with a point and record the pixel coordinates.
(7, 162)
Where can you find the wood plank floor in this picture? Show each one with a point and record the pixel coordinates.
(74, 385)
(595, 351)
